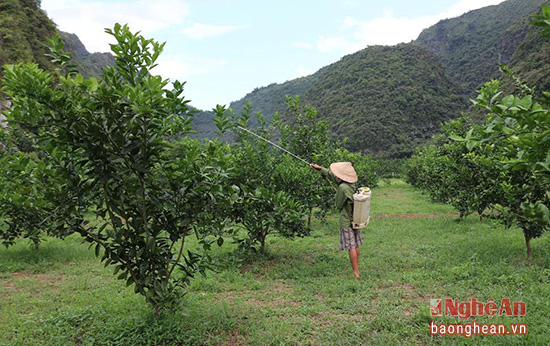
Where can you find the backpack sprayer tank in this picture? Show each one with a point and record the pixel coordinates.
(361, 208)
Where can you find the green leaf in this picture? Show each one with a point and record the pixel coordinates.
(92, 84)
(457, 138)
(526, 102)
(508, 101)
(78, 79)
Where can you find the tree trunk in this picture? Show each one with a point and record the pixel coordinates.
(309, 218)
(262, 241)
(36, 245)
(262, 245)
(528, 243)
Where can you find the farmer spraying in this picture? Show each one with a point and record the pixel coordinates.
(353, 203)
(345, 176)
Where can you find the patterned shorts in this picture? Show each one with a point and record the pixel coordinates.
(350, 238)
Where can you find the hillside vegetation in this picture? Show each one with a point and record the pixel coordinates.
(261, 100)
(24, 28)
(471, 46)
(385, 99)
(389, 99)
(531, 60)
(89, 64)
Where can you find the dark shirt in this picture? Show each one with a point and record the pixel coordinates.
(344, 198)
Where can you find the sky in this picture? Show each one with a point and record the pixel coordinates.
(223, 49)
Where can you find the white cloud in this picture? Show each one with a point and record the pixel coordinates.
(303, 71)
(184, 66)
(389, 12)
(304, 45)
(390, 30)
(329, 44)
(200, 31)
(387, 30)
(464, 6)
(349, 3)
(88, 19)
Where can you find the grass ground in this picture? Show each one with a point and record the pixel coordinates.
(301, 293)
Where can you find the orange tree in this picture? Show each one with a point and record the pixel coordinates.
(514, 142)
(265, 205)
(465, 177)
(302, 133)
(26, 181)
(105, 142)
(520, 127)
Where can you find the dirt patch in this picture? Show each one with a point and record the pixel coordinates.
(395, 194)
(281, 288)
(42, 278)
(409, 293)
(405, 287)
(405, 216)
(274, 304)
(412, 299)
(413, 215)
(233, 339)
(265, 267)
(229, 296)
(49, 280)
(412, 294)
(327, 318)
(261, 270)
(276, 297)
(8, 288)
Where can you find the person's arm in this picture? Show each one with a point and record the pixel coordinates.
(327, 173)
(317, 167)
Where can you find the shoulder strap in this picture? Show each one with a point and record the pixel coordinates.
(347, 212)
(330, 182)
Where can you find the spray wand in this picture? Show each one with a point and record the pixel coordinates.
(283, 149)
(275, 145)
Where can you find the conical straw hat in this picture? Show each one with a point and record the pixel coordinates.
(344, 171)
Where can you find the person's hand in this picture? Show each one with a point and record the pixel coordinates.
(315, 166)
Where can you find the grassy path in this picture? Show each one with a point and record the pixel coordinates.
(301, 293)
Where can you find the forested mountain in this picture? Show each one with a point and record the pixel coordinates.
(24, 27)
(23, 31)
(388, 99)
(266, 100)
(263, 96)
(471, 46)
(531, 61)
(385, 100)
(89, 64)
